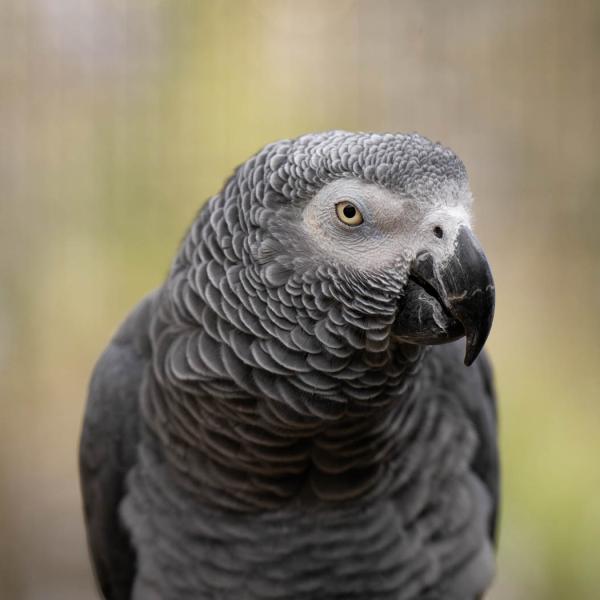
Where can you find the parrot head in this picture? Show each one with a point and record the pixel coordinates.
(377, 226)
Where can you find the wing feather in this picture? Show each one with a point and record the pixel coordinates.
(108, 449)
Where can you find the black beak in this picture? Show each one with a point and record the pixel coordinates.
(464, 287)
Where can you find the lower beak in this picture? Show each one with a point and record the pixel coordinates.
(464, 286)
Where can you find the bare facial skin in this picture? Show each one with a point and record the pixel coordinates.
(393, 226)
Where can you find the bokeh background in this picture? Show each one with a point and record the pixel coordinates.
(119, 118)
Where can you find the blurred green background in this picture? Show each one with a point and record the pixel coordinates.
(119, 118)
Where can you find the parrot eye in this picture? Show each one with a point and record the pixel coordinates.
(348, 213)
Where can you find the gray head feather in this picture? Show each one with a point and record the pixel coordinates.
(254, 308)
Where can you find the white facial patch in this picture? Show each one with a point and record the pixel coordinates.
(394, 228)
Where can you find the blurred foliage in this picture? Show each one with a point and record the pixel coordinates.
(118, 120)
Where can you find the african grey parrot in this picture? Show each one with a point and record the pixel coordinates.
(288, 416)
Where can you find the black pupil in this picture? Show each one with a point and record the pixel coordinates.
(349, 211)
(438, 231)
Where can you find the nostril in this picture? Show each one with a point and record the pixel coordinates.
(438, 231)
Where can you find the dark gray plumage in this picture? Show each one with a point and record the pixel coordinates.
(274, 421)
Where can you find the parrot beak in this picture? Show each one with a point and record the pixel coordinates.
(464, 286)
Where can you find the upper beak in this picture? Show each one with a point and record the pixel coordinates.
(464, 286)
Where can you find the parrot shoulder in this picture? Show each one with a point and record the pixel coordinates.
(473, 388)
(107, 449)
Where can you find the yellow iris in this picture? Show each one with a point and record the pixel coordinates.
(348, 213)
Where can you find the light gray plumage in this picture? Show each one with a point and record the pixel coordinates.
(273, 422)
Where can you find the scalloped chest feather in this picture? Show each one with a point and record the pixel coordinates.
(393, 526)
